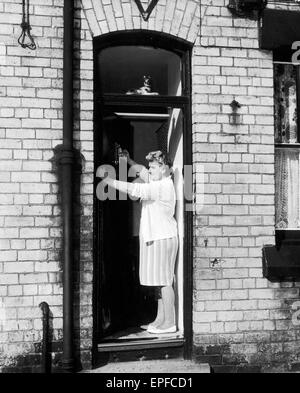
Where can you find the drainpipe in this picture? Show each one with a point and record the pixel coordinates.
(66, 164)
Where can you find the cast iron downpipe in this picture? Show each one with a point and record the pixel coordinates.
(66, 161)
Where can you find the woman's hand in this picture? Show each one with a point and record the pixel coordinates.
(124, 154)
(108, 180)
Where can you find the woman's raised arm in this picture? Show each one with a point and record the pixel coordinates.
(136, 169)
(149, 191)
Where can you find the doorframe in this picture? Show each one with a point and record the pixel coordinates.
(184, 50)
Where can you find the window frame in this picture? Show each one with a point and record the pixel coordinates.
(147, 38)
(287, 236)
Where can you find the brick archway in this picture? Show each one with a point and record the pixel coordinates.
(180, 18)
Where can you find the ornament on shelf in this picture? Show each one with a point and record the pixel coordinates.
(144, 90)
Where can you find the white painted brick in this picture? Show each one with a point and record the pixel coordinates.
(33, 278)
(230, 316)
(9, 279)
(34, 233)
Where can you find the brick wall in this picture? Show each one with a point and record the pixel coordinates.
(239, 317)
(31, 126)
(30, 233)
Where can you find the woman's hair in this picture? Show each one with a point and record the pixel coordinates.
(159, 157)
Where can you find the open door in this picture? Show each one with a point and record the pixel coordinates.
(139, 119)
(125, 304)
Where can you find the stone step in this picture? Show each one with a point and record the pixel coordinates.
(154, 367)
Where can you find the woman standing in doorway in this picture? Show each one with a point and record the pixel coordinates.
(158, 233)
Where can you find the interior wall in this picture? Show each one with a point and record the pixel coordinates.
(175, 147)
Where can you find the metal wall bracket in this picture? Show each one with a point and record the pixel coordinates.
(146, 13)
(246, 8)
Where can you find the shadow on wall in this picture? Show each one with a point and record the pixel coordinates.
(39, 358)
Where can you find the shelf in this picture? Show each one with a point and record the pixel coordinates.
(142, 116)
(138, 100)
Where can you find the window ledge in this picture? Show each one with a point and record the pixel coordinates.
(287, 145)
(281, 264)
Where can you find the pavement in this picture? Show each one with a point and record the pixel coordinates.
(176, 366)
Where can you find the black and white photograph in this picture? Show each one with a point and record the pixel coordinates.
(149, 189)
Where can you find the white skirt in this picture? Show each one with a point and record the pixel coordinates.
(157, 262)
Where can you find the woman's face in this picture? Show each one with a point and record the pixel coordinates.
(155, 171)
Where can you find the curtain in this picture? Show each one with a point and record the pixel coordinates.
(287, 188)
(285, 103)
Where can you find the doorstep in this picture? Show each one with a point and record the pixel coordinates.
(153, 367)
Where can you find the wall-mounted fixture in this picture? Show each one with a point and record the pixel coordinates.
(146, 13)
(246, 8)
(234, 116)
(26, 40)
(216, 264)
